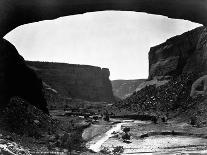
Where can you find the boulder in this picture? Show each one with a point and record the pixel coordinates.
(11, 148)
(199, 87)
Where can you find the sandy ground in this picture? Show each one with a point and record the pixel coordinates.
(159, 144)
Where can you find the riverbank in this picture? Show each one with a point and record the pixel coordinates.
(149, 138)
(96, 130)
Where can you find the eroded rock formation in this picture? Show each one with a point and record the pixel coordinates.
(177, 79)
(181, 54)
(16, 79)
(199, 87)
(76, 81)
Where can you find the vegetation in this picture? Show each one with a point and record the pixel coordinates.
(118, 150)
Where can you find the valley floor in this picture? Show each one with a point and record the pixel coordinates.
(173, 137)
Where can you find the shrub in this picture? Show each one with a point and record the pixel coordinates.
(105, 150)
(126, 129)
(118, 150)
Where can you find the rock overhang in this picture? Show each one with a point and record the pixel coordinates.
(14, 13)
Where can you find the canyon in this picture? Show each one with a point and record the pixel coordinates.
(177, 79)
(176, 86)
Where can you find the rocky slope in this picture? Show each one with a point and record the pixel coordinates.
(124, 88)
(177, 79)
(76, 81)
(16, 79)
(24, 124)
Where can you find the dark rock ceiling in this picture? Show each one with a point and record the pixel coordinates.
(14, 13)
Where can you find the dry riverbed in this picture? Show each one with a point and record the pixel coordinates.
(148, 138)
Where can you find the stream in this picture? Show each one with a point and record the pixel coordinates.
(155, 145)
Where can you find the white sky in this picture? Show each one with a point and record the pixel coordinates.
(116, 40)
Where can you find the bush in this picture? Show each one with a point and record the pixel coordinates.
(126, 129)
(193, 120)
(126, 137)
(118, 150)
(105, 150)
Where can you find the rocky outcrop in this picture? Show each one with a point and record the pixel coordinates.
(22, 118)
(76, 81)
(124, 88)
(16, 13)
(185, 53)
(16, 79)
(199, 87)
(11, 148)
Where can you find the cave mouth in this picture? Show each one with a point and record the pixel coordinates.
(108, 39)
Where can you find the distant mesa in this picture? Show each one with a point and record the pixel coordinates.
(124, 88)
(76, 81)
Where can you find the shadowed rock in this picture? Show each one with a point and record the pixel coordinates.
(76, 81)
(14, 13)
(16, 79)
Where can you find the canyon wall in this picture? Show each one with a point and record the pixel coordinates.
(182, 54)
(185, 53)
(76, 81)
(177, 82)
(16, 79)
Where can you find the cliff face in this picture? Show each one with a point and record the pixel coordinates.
(177, 79)
(76, 81)
(124, 88)
(181, 54)
(16, 79)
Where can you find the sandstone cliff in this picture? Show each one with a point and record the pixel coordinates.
(16, 79)
(181, 54)
(76, 81)
(177, 79)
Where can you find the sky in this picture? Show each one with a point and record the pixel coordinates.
(118, 40)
